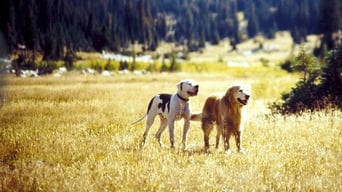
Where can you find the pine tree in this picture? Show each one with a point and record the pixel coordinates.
(30, 28)
(330, 21)
(332, 74)
(11, 28)
(307, 64)
(130, 20)
(253, 25)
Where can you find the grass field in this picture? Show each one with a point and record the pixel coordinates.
(73, 133)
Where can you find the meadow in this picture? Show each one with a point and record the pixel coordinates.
(73, 133)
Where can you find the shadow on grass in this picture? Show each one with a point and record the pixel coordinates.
(154, 147)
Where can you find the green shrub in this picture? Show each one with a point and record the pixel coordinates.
(332, 77)
(164, 67)
(174, 65)
(69, 59)
(123, 65)
(111, 65)
(153, 67)
(47, 67)
(98, 66)
(318, 89)
(287, 65)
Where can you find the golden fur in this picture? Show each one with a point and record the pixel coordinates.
(228, 113)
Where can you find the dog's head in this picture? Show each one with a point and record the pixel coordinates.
(187, 88)
(239, 94)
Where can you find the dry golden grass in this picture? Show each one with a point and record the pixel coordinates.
(73, 134)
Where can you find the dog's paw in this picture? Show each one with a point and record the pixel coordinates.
(228, 152)
(242, 151)
(142, 144)
(207, 150)
(185, 146)
(161, 144)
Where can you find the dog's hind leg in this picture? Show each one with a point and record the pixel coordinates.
(149, 122)
(162, 127)
(207, 128)
(218, 135)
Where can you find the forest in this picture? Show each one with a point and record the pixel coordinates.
(51, 26)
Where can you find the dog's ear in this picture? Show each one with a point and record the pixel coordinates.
(226, 96)
(230, 93)
(180, 86)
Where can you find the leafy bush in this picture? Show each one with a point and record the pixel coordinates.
(69, 59)
(332, 77)
(110, 65)
(98, 66)
(25, 60)
(123, 65)
(47, 67)
(174, 65)
(319, 88)
(287, 65)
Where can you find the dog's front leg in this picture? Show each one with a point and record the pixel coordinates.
(226, 135)
(186, 126)
(226, 141)
(238, 136)
(185, 132)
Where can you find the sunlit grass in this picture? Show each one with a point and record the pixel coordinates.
(73, 134)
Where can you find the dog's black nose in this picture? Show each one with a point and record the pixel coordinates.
(247, 96)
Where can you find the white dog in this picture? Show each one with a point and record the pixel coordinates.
(170, 108)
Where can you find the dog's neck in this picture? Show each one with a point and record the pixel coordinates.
(182, 98)
(230, 103)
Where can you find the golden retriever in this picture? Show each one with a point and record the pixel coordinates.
(228, 113)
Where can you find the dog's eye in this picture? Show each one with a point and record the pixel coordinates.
(240, 90)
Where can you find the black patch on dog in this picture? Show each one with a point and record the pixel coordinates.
(149, 105)
(165, 101)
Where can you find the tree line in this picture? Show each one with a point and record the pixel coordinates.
(51, 26)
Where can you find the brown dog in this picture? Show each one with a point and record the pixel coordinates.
(228, 113)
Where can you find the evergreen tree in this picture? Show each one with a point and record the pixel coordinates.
(253, 26)
(303, 18)
(330, 21)
(145, 23)
(130, 20)
(48, 26)
(236, 35)
(11, 28)
(332, 75)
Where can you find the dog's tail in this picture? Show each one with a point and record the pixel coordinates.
(196, 117)
(141, 118)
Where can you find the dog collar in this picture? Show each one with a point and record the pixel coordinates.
(182, 98)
